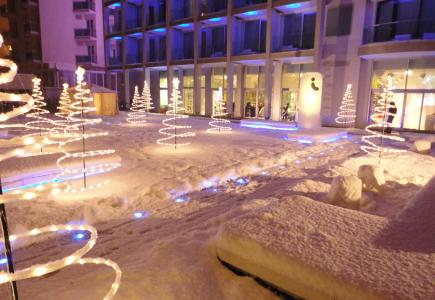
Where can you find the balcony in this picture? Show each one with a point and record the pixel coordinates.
(86, 59)
(79, 6)
(84, 33)
(32, 27)
(242, 3)
(115, 61)
(400, 31)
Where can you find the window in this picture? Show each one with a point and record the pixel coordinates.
(163, 84)
(339, 20)
(254, 36)
(254, 92)
(188, 91)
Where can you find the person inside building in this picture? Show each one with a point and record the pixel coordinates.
(248, 109)
(392, 111)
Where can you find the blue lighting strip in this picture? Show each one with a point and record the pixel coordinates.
(265, 126)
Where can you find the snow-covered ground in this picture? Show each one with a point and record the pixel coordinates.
(186, 196)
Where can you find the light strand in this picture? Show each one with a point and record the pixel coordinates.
(219, 112)
(380, 123)
(347, 115)
(77, 123)
(137, 115)
(172, 131)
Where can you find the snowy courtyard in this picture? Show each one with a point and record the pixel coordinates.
(160, 215)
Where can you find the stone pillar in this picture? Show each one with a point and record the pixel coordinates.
(277, 88)
(238, 102)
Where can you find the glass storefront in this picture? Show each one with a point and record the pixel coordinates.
(254, 92)
(188, 83)
(163, 82)
(413, 90)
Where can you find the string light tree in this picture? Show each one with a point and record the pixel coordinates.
(174, 130)
(64, 109)
(5, 116)
(80, 120)
(377, 128)
(41, 126)
(146, 96)
(219, 113)
(346, 116)
(137, 116)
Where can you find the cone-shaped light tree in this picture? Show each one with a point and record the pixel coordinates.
(375, 142)
(137, 115)
(346, 116)
(146, 96)
(80, 164)
(218, 123)
(64, 110)
(174, 131)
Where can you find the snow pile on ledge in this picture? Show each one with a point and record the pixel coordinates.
(319, 251)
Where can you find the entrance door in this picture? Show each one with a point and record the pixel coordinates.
(288, 105)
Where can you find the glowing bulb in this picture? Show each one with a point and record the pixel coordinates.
(39, 271)
(29, 196)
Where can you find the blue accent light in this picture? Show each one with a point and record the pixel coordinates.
(293, 5)
(117, 38)
(265, 126)
(304, 141)
(250, 13)
(78, 236)
(140, 215)
(242, 181)
(160, 30)
(115, 5)
(185, 25)
(181, 199)
(3, 261)
(215, 19)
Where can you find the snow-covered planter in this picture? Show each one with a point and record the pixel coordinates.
(422, 146)
(372, 177)
(346, 191)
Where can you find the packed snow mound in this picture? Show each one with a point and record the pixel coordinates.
(422, 146)
(372, 177)
(319, 251)
(414, 227)
(311, 186)
(346, 191)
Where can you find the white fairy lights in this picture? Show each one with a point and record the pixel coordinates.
(219, 112)
(346, 115)
(78, 123)
(146, 97)
(172, 131)
(73, 259)
(137, 115)
(6, 97)
(377, 129)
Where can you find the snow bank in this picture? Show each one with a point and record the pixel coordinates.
(319, 251)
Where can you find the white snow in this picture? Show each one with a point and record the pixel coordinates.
(346, 191)
(170, 253)
(372, 177)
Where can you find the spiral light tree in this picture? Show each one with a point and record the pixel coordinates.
(64, 109)
(12, 98)
(375, 141)
(69, 163)
(137, 116)
(41, 126)
(16, 111)
(146, 96)
(346, 116)
(218, 123)
(174, 131)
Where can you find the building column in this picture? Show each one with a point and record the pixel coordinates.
(230, 88)
(208, 93)
(268, 76)
(319, 34)
(277, 95)
(363, 94)
(238, 102)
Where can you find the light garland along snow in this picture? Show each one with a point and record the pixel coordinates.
(6, 97)
(218, 123)
(172, 129)
(73, 259)
(347, 115)
(379, 122)
(137, 116)
(77, 123)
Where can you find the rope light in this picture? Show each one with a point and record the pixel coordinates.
(78, 123)
(219, 112)
(172, 131)
(7, 97)
(347, 115)
(377, 129)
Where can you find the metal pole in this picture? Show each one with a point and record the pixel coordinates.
(83, 141)
(7, 242)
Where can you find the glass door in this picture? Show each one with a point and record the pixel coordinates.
(412, 111)
(427, 121)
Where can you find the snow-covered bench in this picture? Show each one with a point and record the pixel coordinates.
(318, 251)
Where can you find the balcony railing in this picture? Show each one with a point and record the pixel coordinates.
(84, 33)
(133, 23)
(241, 3)
(400, 31)
(84, 5)
(31, 27)
(86, 59)
(115, 61)
(134, 59)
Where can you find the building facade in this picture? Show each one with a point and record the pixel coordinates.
(71, 35)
